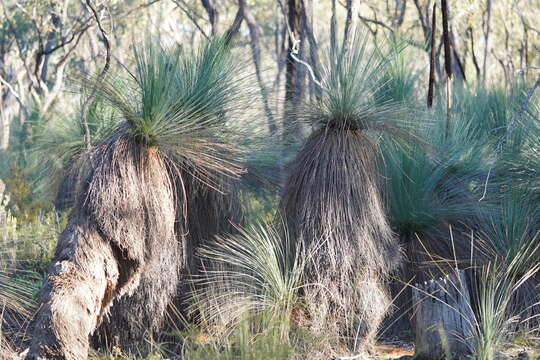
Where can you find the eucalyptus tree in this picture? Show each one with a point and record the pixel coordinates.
(129, 223)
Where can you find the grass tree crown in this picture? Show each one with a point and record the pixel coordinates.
(353, 81)
(180, 103)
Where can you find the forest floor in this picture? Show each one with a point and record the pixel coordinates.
(405, 350)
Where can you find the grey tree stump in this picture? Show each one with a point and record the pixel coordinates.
(443, 318)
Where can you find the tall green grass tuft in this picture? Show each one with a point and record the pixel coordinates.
(249, 300)
(497, 317)
(255, 274)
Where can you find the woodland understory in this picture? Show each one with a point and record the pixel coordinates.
(273, 179)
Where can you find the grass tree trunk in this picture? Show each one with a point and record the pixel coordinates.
(72, 308)
(333, 206)
(443, 319)
(209, 212)
(122, 218)
(137, 317)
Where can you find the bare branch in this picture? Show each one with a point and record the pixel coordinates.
(235, 27)
(190, 17)
(431, 84)
(101, 76)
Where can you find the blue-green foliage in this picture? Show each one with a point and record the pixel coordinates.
(356, 88)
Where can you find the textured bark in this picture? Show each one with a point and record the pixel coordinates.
(133, 318)
(78, 291)
(121, 226)
(333, 207)
(350, 22)
(443, 317)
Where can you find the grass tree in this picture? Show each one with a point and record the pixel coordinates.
(430, 204)
(127, 228)
(512, 229)
(332, 196)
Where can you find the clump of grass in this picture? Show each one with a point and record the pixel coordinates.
(252, 302)
(257, 272)
(497, 317)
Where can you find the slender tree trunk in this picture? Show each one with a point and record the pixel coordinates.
(301, 69)
(237, 22)
(213, 15)
(307, 14)
(431, 84)
(5, 122)
(487, 31)
(256, 55)
(526, 50)
(333, 31)
(291, 128)
(351, 22)
(458, 66)
(447, 60)
(473, 53)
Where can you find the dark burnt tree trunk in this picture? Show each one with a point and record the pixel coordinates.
(294, 18)
(443, 317)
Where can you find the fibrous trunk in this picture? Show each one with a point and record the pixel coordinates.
(123, 219)
(333, 207)
(202, 212)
